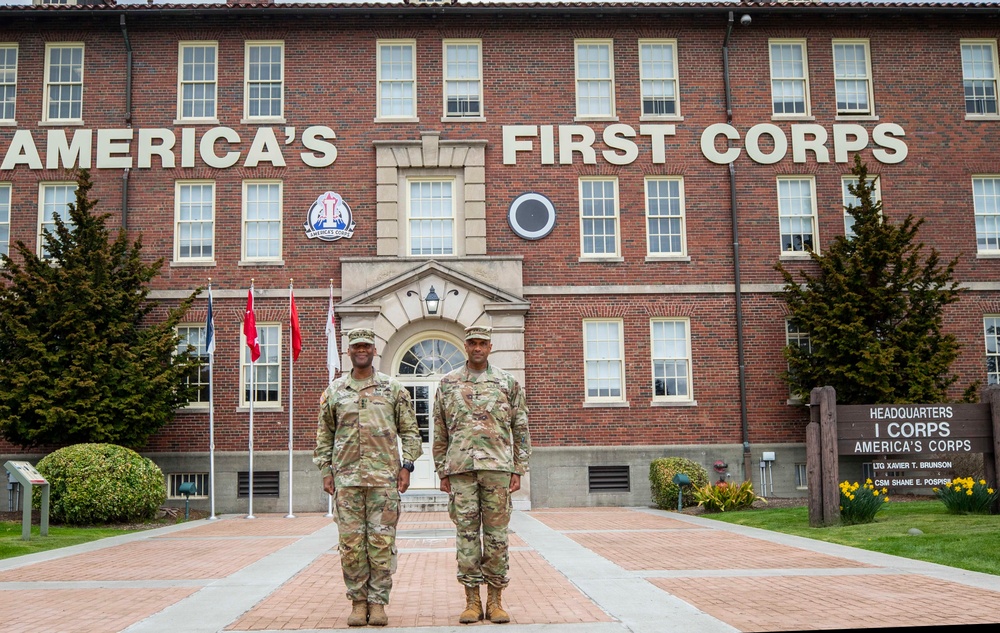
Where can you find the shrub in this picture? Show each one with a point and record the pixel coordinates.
(967, 496)
(725, 496)
(860, 504)
(664, 490)
(101, 483)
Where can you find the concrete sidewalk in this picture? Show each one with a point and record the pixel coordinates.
(573, 570)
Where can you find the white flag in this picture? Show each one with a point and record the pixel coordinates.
(332, 355)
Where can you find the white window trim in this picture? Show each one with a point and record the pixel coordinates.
(807, 115)
(39, 240)
(45, 83)
(180, 80)
(803, 254)
(9, 187)
(457, 236)
(379, 116)
(607, 116)
(177, 223)
(876, 194)
(672, 43)
(481, 116)
(609, 400)
(245, 364)
(617, 255)
(246, 82)
(689, 397)
(792, 398)
(868, 78)
(986, 347)
(990, 253)
(683, 254)
(195, 326)
(17, 58)
(244, 258)
(992, 43)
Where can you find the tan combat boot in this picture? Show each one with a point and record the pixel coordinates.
(376, 614)
(359, 614)
(473, 606)
(494, 610)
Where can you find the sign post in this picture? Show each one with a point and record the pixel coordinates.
(27, 476)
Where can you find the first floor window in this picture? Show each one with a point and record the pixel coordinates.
(796, 214)
(4, 219)
(979, 76)
(431, 211)
(986, 199)
(851, 200)
(195, 230)
(55, 200)
(671, 359)
(262, 220)
(266, 374)
(194, 335)
(991, 325)
(799, 338)
(604, 360)
(599, 217)
(665, 216)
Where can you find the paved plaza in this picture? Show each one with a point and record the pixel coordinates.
(573, 570)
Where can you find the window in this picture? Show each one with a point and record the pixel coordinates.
(671, 359)
(200, 481)
(463, 73)
(603, 359)
(198, 77)
(851, 64)
(991, 326)
(5, 219)
(801, 477)
(665, 216)
(264, 96)
(200, 377)
(796, 337)
(267, 369)
(54, 198)
(658, 78)
(261, 221)
(431, 217)
(797, 215)
(852, 200)
(595, 80)
(195, 216)
(63, 82)
(8, 81)
(979, 76)
(599, 217)
(397, 79)
(986, 199)
(789, 78)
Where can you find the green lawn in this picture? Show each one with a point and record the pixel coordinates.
(12, 545)
(965, 541)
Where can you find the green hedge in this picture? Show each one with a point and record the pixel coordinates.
(664, 490)
(92, 484)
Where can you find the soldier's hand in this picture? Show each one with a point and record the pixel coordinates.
(404, 480)
(328, 485)
(515, 482)
(445, 485)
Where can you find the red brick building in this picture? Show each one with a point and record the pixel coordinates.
(569, 173)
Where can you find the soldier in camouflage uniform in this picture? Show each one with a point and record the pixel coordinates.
(481, 449)
(361, 415)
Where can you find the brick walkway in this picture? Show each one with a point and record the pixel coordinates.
(577, 570)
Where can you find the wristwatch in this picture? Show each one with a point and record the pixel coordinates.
(408, 465)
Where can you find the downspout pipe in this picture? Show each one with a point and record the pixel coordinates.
(128, 115)
(738, 298)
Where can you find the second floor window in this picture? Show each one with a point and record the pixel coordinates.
(55, 198)
(265, 80)
(195, 231)
(194, 335)
(64, 82)
(463, 79)
(658, 78)
(796, 215)
(595, 79)
(599, 217)
(665, 216)
(8, 81)
(431, 217)
(979, 76)
(397, 80)
(852, 77)
(986, 199)
(198, 68)
(261, 221)
(789, 78)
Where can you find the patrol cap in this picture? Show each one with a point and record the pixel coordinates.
(361, 335)
(479, 331)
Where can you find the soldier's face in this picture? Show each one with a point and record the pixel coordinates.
(478, 350)
(361, 355)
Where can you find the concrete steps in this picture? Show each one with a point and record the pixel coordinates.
(424, 501)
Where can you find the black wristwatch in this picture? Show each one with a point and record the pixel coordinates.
(408, 465)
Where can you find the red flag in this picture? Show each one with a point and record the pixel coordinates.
(250, 328)
(296, 333)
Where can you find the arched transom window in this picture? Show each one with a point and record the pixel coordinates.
(430, 356)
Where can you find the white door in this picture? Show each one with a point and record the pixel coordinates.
(420, 368)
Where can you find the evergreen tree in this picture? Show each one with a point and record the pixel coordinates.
(79, 360)
(874, 312)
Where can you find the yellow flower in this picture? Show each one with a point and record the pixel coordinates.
(982, 482)
(934, 489)
(989, 491)
(969, 492)
(885, 499)
(875, 493)
(868, 481)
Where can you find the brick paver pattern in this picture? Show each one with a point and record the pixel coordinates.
(606, 519)
(83, 610)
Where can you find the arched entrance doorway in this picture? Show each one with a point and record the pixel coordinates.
(419, 364)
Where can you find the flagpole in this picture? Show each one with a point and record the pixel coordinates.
(291, 395)
(210, 320)
(332, 361)
(253, 395)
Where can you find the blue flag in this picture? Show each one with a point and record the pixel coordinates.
(210, 326)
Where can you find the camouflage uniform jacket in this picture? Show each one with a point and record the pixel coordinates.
(480, 423)
(359, 422)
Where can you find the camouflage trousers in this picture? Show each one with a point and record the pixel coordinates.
(480, 500)
(366, 519)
